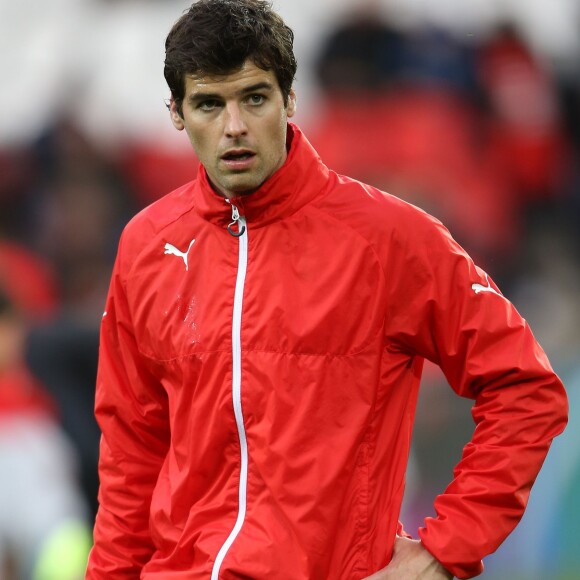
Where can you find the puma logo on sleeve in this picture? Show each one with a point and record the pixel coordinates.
(172, 250)
(477, 288)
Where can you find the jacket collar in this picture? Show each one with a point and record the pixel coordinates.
(302, 177)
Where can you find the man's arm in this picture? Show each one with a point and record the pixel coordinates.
(132, 412)
(456, 317)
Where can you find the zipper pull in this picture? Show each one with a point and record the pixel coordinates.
(236, 219)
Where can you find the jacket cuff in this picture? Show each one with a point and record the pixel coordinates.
(402, 533)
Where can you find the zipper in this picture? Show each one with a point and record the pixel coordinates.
(242, 235)
(236, 219)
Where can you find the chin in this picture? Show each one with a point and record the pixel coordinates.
(244, 189)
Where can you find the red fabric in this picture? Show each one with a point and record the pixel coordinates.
(21, 394)
(347, 290)
(423, 146)
(525, 134)
(27, 281)
(153, 171)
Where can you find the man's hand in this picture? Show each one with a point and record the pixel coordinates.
(411, 561)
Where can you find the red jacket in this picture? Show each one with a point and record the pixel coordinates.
(256, 392)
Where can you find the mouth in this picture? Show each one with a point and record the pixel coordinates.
(238, 158)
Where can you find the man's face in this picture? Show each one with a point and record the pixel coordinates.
(237, 126)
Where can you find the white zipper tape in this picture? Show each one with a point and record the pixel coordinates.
(237, 395)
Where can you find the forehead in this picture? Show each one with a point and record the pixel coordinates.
(248, 75)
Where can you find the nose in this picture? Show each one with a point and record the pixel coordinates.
(235, 125)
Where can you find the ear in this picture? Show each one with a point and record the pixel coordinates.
(176, 118)
(291, 109)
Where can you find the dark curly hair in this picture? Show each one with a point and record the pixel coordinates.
(216, 37)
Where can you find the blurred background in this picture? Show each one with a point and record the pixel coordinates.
(470, 110)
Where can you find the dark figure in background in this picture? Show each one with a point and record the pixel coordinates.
(361, 55)
(44, 519)
(63, 355)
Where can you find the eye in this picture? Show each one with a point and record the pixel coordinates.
(256, 99)
(208, 105)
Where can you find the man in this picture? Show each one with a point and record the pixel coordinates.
(262, 346)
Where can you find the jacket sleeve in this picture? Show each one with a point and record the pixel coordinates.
(449, 311)
(131, 409)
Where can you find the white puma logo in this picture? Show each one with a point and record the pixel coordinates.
(171, 249)
(477, 288)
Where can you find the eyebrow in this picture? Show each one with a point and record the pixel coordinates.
(197, 97)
